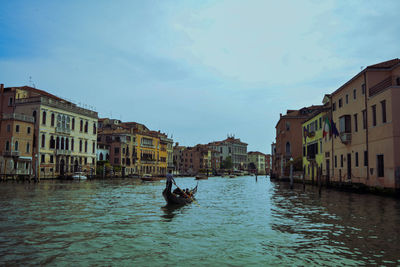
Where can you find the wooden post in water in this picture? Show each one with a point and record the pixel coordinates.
(291, 173)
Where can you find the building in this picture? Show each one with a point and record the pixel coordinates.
(235, 149)
(195, 160)
(256, 162)
(366, 149)
(178, 158)
(64, 134)
(268, 159)
(313, 154)
(16, 142)
(288, 144)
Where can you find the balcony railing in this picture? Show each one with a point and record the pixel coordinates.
(147, 145)
(389, 81)
(63, 152)
(345, 138)
(11, 153)
(17, 116)
(63, 130)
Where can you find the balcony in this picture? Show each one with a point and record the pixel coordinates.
(17, 116)
(63, 152)
(11, 153)
(63, 130)
(389, 81)
(147, 145)
(345, 138)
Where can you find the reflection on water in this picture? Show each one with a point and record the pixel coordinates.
(240, 221)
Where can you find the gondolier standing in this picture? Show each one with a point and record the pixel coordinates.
(170, 179)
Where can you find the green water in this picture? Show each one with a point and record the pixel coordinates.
(237, 222)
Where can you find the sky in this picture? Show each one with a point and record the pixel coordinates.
(196, 70)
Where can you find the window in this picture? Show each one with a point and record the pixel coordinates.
(80, 145)
(287, 126)
(93, 147)
(364, 114)
(373, 115)
(34, 115)
(66, 143)
(62, 143)
(72, 144)
(86, 127)
(365, 158)
(58, 142)
(334, 106)
(52, 119)
(116, 150)
(28, 130)
(51, 159)
(335, 161)
(81, 126)
(347, 99)
(16, 146)
(42, 160)
(356, 159)
(340, 103)
(8, 128)
(44, 118)
(52, 142)
(17, 128)
(304, 151)
(320, 146)
(85, 146)
(380, 166)
(363, 89)
(73, 124)
(43, 140)
(10, 101)
(27, 147)
(320, 123)
(383, 106)
(355, 123)
(345, 124)
(7, 146)
(341, 161)
(354, 94)
(288, 148)
(94, 129)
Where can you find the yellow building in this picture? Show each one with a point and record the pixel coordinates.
(312, 145)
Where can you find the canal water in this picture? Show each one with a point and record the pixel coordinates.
(236, 222)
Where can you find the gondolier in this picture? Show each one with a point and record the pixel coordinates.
(170, 180)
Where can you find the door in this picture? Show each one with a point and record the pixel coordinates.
(349, 166)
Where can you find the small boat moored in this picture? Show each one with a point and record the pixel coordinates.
(201, 177)
(79, 176)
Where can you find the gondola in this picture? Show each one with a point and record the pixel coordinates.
(201, 177)
(174, 199)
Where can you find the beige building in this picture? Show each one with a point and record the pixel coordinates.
(365, 111)
(257, 160)
(64, 139)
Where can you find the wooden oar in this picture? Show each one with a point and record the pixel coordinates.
(195, 202)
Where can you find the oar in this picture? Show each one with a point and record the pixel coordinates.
(195, 202)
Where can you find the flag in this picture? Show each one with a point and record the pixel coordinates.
(327, 127)
(334, 129)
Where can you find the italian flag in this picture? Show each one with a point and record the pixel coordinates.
(327, 127)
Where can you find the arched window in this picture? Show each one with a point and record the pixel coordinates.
(58, 142)
(85, 146)
(67, 144)
(16, 146)
(27, 147)
(80, 145)
(52, 119)
(62, 142)
(94, 147)
(94, 128)
(52, 142)
(287, 147)
(73, 124)
(86, 127)
(72, 144)
(43, 140)
(81, 126)
(101, 156)
(7, 146)
(44, 118)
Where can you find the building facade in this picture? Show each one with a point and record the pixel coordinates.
(233, 148)
(256, 162)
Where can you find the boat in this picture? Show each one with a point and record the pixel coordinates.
(151, 178)
(232, 176)
(79, 176)
(174, 199)
(201, 177)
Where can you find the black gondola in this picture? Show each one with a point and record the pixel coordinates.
(176, 199)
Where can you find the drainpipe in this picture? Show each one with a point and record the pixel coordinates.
(366, 121)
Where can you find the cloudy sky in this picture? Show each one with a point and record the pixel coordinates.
(197, 70)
